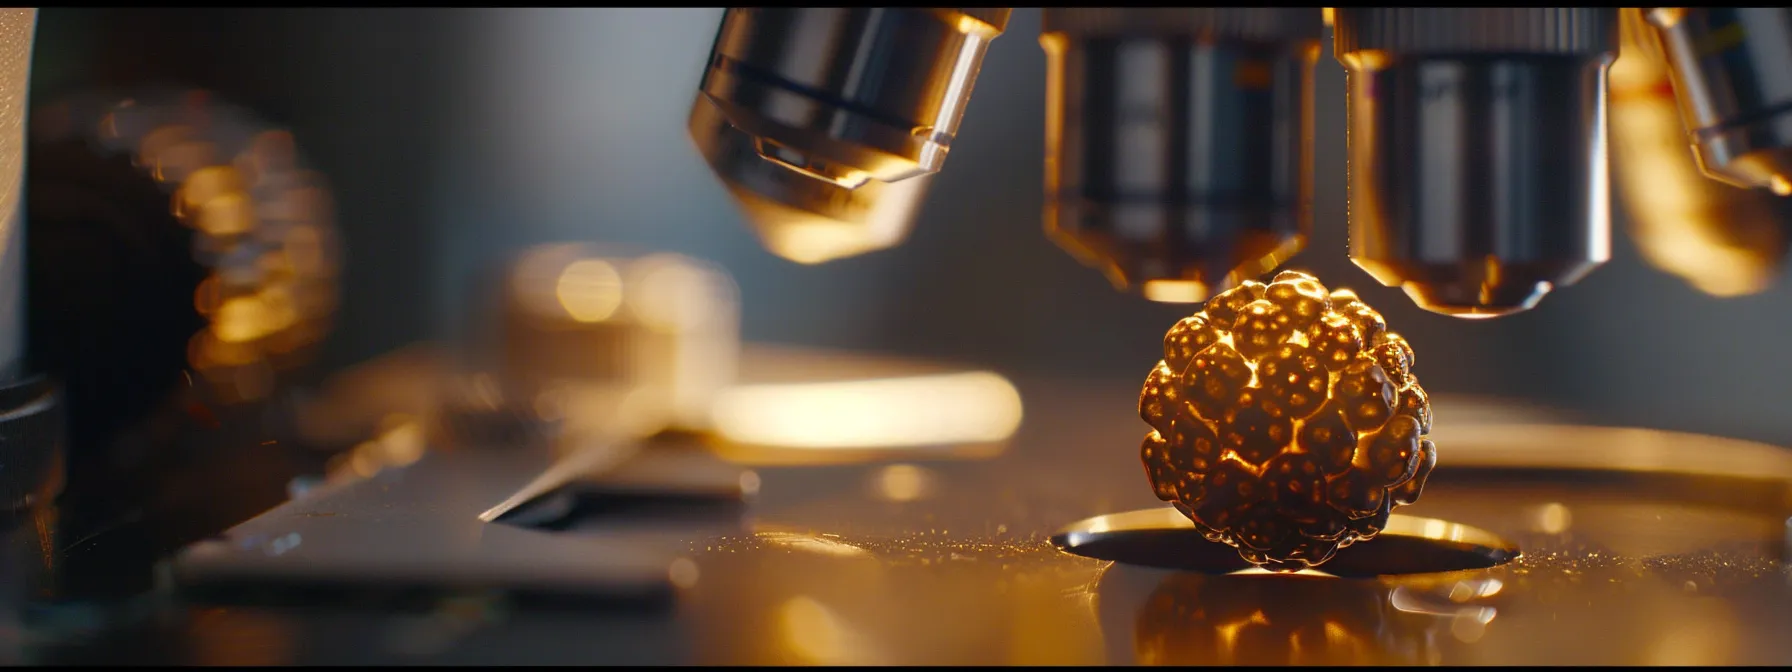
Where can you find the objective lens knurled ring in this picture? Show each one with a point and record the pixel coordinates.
(1463, 30)
(1267, 24)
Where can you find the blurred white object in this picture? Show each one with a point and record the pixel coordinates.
(17, 26)
(594, 339)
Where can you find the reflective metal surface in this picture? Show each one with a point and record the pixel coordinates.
(1614, 570)
(1639, 547)
(1478, 168)
(1728, 65)
(1178, 142)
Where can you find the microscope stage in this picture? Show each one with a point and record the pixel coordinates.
(1633, 547)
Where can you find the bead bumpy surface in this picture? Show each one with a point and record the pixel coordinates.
(1286, 420)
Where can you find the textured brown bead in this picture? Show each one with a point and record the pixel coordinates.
(1296, 481)
(1391, 454)
(1283, 542)
(1414, 402)
(1214, 380)
(1159, 399)
(1400, 342)
(1335, 341)
(1393, 363)
(1230, 491)
(1154, 453)
(1194, 448)
(1408, 492)
(1289, 421)
(1322, 525)
(1300, 296)
(1255, 428)
(1368, 322)
(1206, 531)
(1292, 275)
(1357, 493)
(1366, 394)
(1258, 529)
(1261, 328)
(1224, 308)
(1329, 440)
(1177, 462)
(1293, 376)
(1187, 339)
(1372, 524)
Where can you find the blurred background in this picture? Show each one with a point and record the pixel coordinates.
(454, 138)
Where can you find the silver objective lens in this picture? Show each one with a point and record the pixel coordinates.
(813, 116)
(1732, 74)
(1178, 142)
(1478, 171)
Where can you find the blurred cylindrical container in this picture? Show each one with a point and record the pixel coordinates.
(592, 337)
